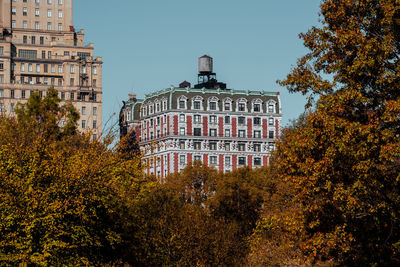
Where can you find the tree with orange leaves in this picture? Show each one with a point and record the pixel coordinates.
(343, 160)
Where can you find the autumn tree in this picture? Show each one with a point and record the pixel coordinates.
(343, 161)
(63, 197)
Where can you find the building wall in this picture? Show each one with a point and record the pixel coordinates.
(34, 58)
(224, 136)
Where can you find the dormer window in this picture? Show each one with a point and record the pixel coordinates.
(242, 107)
(213, 105)
(271, 107)
(196, 105)
(182, 102)
(227, 106)
(257, 107)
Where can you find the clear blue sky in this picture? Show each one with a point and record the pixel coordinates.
(148, 45)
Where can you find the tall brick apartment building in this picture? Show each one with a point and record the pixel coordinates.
(39, 48)
(221, 127)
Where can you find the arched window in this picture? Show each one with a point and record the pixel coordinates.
(213, 103)
(182, 102)
(227, 104)
(271, 107)
(197, 103)
(241, 105)
(257, 105)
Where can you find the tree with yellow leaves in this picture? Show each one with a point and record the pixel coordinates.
(63, 197)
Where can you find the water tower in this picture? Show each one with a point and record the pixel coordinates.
(206, 77)
(206, 69)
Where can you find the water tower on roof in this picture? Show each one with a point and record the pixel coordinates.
(206, 77)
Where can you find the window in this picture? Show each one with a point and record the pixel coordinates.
(60, 82)
(12, 107)
(60, 26)
(49, 13)
(38, 80)
(66, 53)
(60, 14)
(43, 54)
(94, 124)
(1, 79)
(12, 94)
(257, 161)
(49, 26)
(271, 121)
(49, 54)
(242, 147)
(60, 2)
(213, 132)
(241, 120)
(257, 134)
(271, 134)
(227, 106)
(60, 69)
(37, 12)
(242, 107)
(182, 159)
(181, 144)
(257, 148)
(182, 118)
(1, 65)
(213, 119)
(242, 133)
(227, 119)
(271, 146)
(72, 96)
(41, 40)
(1, 107)
(197, 118)
(257, 107)
(1, 50)
(52, 81)
(197, 158)
(83, 124)
(22, 67)
(197, 131)
(23, 94)
(227, 146)
(1, 92)
(196, 105)
(181, 104)
(14, 11)
(45, 68)
(48, 1)
(213, 146)
(197, 145)
(227, 133)
(71, 81)
(94, 111)
(25, 39)
(37, 26)
(95, 70)
(45, 80)
(37, 67)
(213, 106)
(213, 160)
(182, 131)
(53, 68)
(24, 11)
(94, 83)
(72, 69)
(83, 55)
(242, 161)
(84, 69)
(30, 67)
(271, 108)
(257, 121)
(227, 161)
